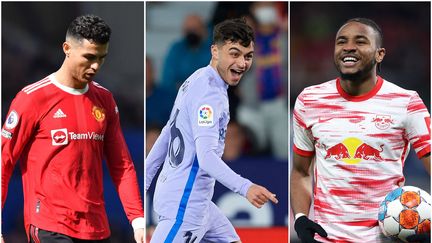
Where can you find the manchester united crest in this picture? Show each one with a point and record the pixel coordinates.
(98, 113)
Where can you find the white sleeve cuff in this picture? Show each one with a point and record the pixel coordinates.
(299, 215)
(138, 223)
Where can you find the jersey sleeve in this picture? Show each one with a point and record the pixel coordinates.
(211, 163)
(120, 165)
(17, 130)
(156, 156)
(417, 126)
(206, 116)
(303, 139)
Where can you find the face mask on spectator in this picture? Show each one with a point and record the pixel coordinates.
(193, 39)
(266, 15)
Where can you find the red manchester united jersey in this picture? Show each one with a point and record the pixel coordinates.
(61, 135)
(360, 144)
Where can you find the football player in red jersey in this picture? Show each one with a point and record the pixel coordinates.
(358, 129)
(61, 128)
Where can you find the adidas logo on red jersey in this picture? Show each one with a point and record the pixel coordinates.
(59, 114)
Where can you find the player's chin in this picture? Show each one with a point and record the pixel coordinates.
(347, 70)
(234, 81)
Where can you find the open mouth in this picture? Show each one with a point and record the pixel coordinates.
(235, 72)
(89, 76)
(349, 60)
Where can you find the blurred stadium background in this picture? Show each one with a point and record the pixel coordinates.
(32, 37)
(406, 28)
(252, 151)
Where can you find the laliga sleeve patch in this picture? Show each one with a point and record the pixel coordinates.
(205, 116)
(12, 120)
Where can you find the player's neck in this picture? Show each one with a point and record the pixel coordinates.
(64, 77)
(360, 86)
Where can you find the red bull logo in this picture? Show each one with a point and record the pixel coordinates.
(368, 152)
(382, 122)
(353, 150)
(339, 151)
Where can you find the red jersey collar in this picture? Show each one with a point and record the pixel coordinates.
(363, 97)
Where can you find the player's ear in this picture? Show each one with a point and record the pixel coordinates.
(379, 55)
(67, 48)
(215, 51)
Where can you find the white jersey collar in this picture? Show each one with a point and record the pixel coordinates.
(66, 88)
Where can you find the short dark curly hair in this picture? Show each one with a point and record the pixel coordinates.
(235, 30)
(90, 27)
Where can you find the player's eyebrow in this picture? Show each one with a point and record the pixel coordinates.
(343, 37)
(250, 53)
(236, 49)
(94, 55)
(361, 37)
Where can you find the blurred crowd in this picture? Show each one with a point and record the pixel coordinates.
(258, 106)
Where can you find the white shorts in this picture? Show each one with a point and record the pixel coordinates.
(217, 229)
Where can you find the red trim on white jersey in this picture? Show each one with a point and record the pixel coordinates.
(360, 150)
(303, 152)
(359, 98)
(424, 152)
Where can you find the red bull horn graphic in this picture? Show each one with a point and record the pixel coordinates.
(353, 150)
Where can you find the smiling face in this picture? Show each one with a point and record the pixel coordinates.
(232, 60)
(357, 52)
(84, 59)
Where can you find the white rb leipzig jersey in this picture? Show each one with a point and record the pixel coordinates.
(360, 144)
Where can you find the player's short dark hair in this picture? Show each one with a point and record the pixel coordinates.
(90, 27)
(234, 30)
(373, 25)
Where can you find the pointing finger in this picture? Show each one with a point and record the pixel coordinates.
(273, 198)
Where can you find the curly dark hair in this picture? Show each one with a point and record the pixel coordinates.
(235, 30)
(90, 27)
